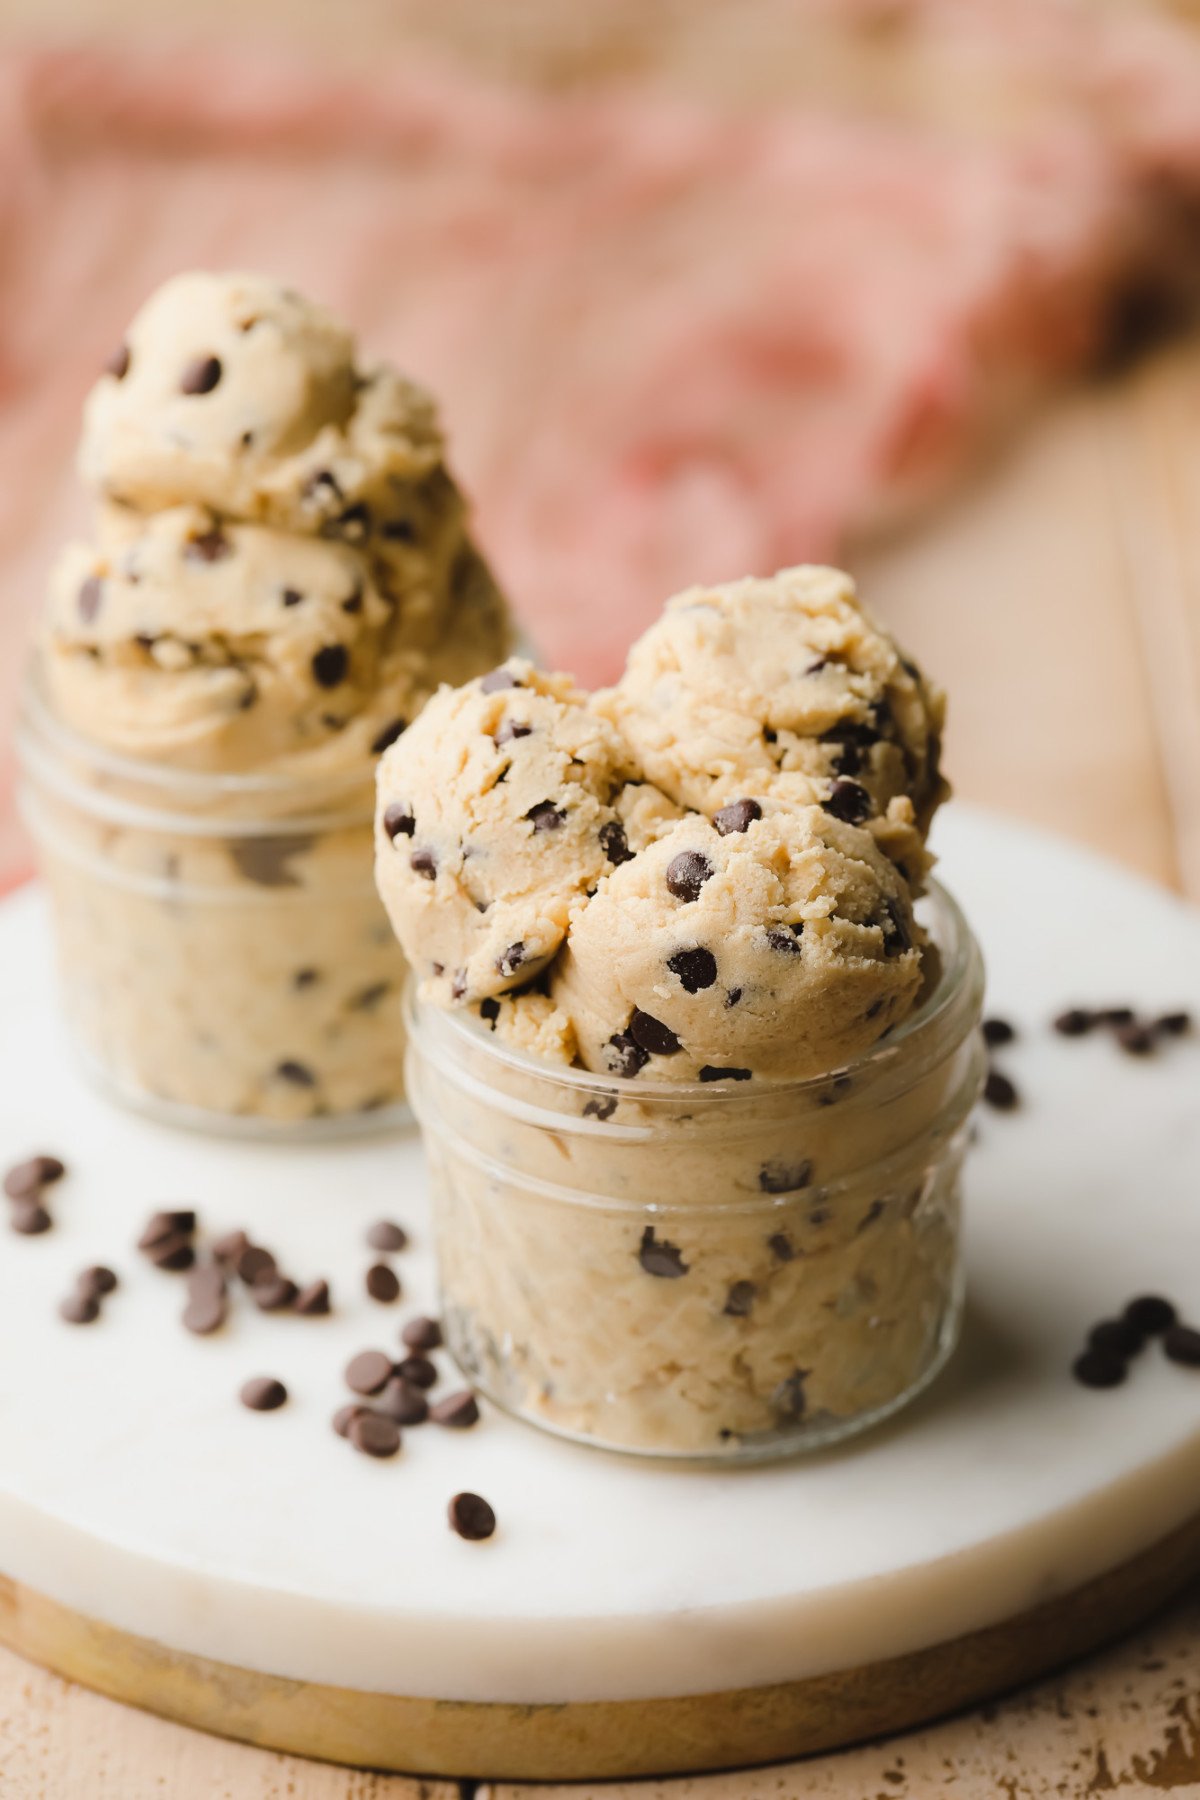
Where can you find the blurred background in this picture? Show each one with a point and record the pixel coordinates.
(704, 289)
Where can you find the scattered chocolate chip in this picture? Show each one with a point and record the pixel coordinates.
(1117, 1336)
(424, 862)
(173, 1253)
(118, 363)
(27, 1179)
(312, 1301)
(404, 1403)
(374, 1433)
(687, 874)
(385, 1234)
(1000, 1092)
(1135, 1039)
(784, 1178)
(209, 547)
(660, 1258)
(710, 1072)
(459, 1411)
(382, 1283)
(997, 1031)
(367, 1372)
(345, 1416)
(614, 843)
(1099, 1369)
(418, 1370)
(1172, 1024)
(739, 815)
(780, 1247)
(200, 376)
(164, 1225)
(96, 1281)
(387, 737)
(1115, 1015)
(29, 1218)
(786, 938)
(545, 816)
(471, 1517)
(262, 1393)
(624, 1056)
(274, 1293)
(510, 960)
(489, 1009)
(292, 596)
(1182, 1345)
(1150, 1314)
(497, 680)
(205, 1312)
(740, 1300)
(849, 802)
(265, 860)
(602, 1107)
(255, 1264)
(422, 1334)
(1075, 1022)
(298, 1073)
(329, 665)
(91, 593)
(79, 1308)
(696, 969)
(652, 1035)
(508, 731)
(398, 820)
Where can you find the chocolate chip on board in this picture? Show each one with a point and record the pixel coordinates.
(1150, 1314)
(382, 1283)
(471, 1517)
(1118, 1336)
(997, 1031)
(385, 1234)
(313, 1301)
(404, 1403)
(1076, 1021)
(660, 1258)
(229, 1246)
(205, 1312)
(79, 1308)
(418, 1370)
(274, 1293)
(29, 1218)
(262, 1393)
(173, 1253)
(344, 1417)
(374, 1433)
(367, 1372)
(421, 1334)
(255, 1264)
(1172, 1024)
(999, 1092)
(1135, 1038)
(1100, 1369)
(457, 1411)
(1182, 1345)
(118, 363)
(25, 1180)
(98, 1280)
(164, 1225)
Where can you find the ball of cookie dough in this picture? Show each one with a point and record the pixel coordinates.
(778, 948)
(785, 687)
(496, 812)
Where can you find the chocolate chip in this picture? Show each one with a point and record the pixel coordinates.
(209, 547)
(27, 1179)
(265, 860)
(1000, 1092)
(508, 731)
(368, 998)
(297, 1073)
(418, 1370)
(780, 1247)
(352, 525)
(96, 1281)
(118, 363)
(398, 820)
(784, 1178)
(91, 593)
(1182, 1345)
(740, 1300)
(997, 1031)
(262, 1393)
(330, 664)
(374, 1434)
(458, 986)
(614, 843)
(382, 1283)
(200, 376)
(687, 874)
(1117, 1336)
(786, 938)
(229, 1247)
(424, 863)
(322, 486)
(353, 602)
(1172, 1024)
(422, 1334)
(1135, 1039)
(79, 1309)
(739, 815)
(386, 1235)
(490, 1010)
(603, 1107)
(897, 938)
(404, 1403)
(818, 663)
(367, 1372)
(345, 1416)
(624, 1056)
(401, 531)
(205, 1312)
(274, 1293)
(545, 816)
(471, 1517)
(1099, 1369)
(651, 1035)
(387, 737)
(497, 680)
(696, 969)
(1075, 1022)
(789, 1397)
(173, 1253)
(1115, 1015)
(292, 596)
(1150, 1314)
(313, 1302)
(29, 1218)
(459, 1411)
(161, 1226)
(255, 1264)
(510, 960)
(849, 802)
(660, 1258)
(711, 1072)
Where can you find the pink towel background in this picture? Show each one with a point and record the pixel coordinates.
(673, 343)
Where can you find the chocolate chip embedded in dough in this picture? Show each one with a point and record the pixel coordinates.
(713, 1072)
(368, 1371)
(91, 593)
(1182, 1345)
(602, 1107)
(687, 874)
(27, 1179)
(457, 1411)
(784, 1178)
(352, 526)
(1150, 1314)
(1100, 1369)
(262, 1393)
(201, 375)
(399, 531)
(330, 664)
(1000, 1092)
(292, 596)
(1077, 1021)
(789, 1397)
(785, 939)
(623, 1056)
(497, 680)
(997, 1031)
(738, 816)
(780, 1246)
(740, 1300)
(266, 860)
(353, 601)
(510, 960)
(424, 863)
(398, 820)
(848, 801)
(545, 816)
(696, 969)
(614, 843)
(297, 1073)
(489, 1010)
(651, 1035)
(422, 1334)
(471, 1517)
(388, 736)
(209, 547)
(508, 731)
(382, 1283)
(660, 1258)
(118, 363)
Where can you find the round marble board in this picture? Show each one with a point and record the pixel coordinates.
(254, 1574)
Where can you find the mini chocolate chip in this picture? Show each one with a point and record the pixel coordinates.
(1182, 1345)
(1075, 1022)
(732, 997)
(382, 1283)
(770, 735)
(353, 601)
(687, 874)
(1150, 1314)
(712, 1072)
(603, 1107)
(1172, 1024)
(96, 1281)
(459, 1411)
(471, 1517)
(29, 1218)
(255, 1264)
(1099, 1369)
(373, 1433)
(510, 960)
(421, 1334)
(490, 1010)
(313, 1302)
(419, 1370)
(274, 1293)
(458, 986)
(740, 1300)
(298, 1073)
(424, 863)
(849, 802)
(875, 1211)
(345, 1416)
(352, 525)
(497, 680)
(387, 737)
(780, 1247)
(696, 969)
(1119, 1336)
(1135, 1039)
(404, 1403)
(166, 1224)
(27, 1179)
(789, 1397)
(367, 1372)
(784, 1178)
(614, 843)
(200, 376)
(509, 731)
(786, 938)
(386, 1235)
(624, 1056)
(262, 1393)
(292, 596)
(398, 531)
(329, 665)
(651, 1035)
(209, 547)
(266, 860)
(398, 820)
(997, 1031)
(118, 363)
(91, 593)
(368, 998)
(1000, 1092)
(897, 938)
(545, 816)
(660, 1258)
(321, 486)
(739, 815)
(79, 1309)
(818, 663)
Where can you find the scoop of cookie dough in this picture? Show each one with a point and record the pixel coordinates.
(783, 687)
(776, 947)
(496, 811)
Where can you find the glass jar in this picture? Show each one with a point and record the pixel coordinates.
(224, 958)
(717, 1272)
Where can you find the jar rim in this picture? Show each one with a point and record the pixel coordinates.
(961, 969)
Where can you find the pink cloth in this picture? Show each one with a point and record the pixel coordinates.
(672, 344)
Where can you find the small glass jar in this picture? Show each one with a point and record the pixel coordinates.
(723, 1272)
(224, 958)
